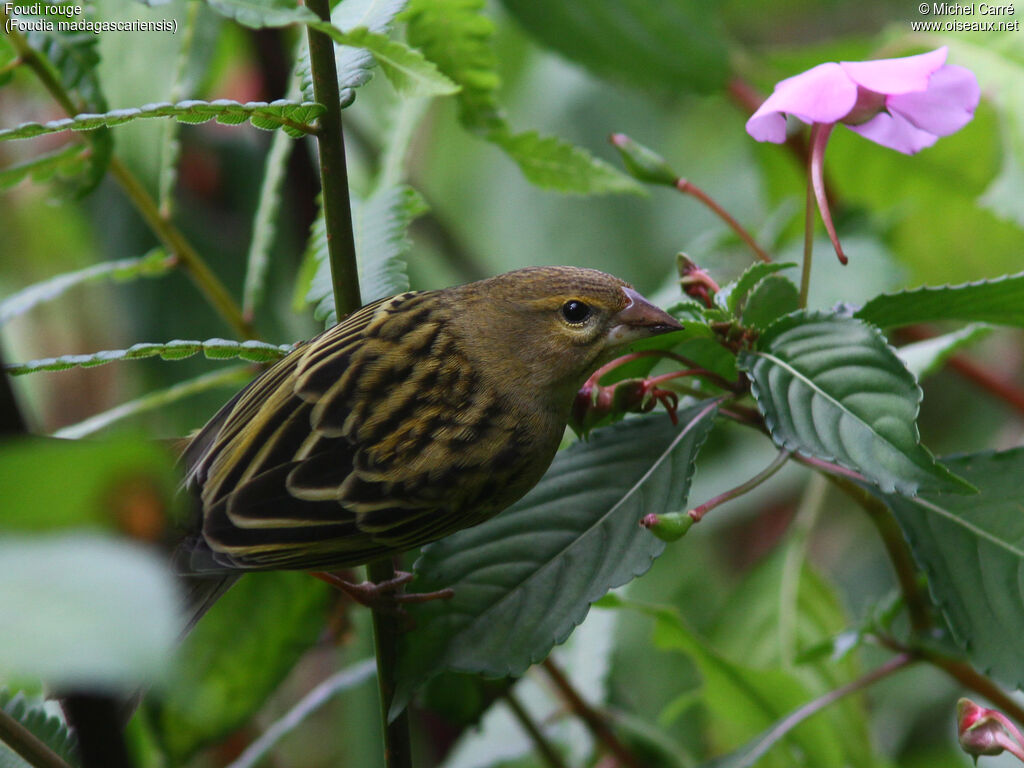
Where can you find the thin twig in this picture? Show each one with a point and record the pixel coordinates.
(540, 741)
(176, 243)
(748, 485)
(25, 743)
(689, 188)
(907, 573)
(995, 386)
(397, 748)
(349, 677)
(967, 676)
(167, 233)
(792, 720)
(594, 721)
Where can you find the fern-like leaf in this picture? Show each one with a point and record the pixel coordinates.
(215, 349)
(294, 117)
(381, 223)
(46, 727)
(153, 264)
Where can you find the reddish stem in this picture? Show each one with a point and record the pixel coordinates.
(995, 386)
(819, 140)
(689, 188)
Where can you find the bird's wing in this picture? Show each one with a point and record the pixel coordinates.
(340, 453)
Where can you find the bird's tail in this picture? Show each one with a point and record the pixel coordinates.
(201, 592)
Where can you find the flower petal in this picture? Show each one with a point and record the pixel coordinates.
(946, 107)
(823, 94)
(896, 76)
(896, 132)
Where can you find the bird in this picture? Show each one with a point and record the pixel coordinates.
(413, 417)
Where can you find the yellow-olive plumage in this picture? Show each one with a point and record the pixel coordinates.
(413, 417)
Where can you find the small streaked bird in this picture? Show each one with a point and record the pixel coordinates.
(413, 417)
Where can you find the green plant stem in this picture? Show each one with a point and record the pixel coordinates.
(805, 270)
(970, 678)
(781, 458)
(25, 743)
(689, 188)
(168, 234)
(176, 243)
(233, 377)
(540, 741)
(907, 574)
(397, 748)
(792, 720)
(341, 246)
(800, 528)
(591, 718)
(964, 674)
(341, 249)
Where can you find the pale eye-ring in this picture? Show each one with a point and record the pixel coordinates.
(575, 311)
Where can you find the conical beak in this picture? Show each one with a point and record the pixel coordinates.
(639, 319)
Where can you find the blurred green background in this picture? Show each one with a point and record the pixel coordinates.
(952, 214)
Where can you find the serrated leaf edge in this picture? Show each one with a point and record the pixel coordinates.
(594, 595)
(278, 112)
(924, 289)
(773, 331)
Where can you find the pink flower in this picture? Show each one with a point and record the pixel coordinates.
(904, 104)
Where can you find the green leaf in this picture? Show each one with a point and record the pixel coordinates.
(663, 47)
(294, 117)
(381, 226)
(1000, 302)
(833, 389)
(85, 611)
(410, 73)
(353, 64)
(7, 57)
(732, 296)
(263, 13)
(742, 700)
(67, 161)
(74, 57)
(94, 476)
(230, 377)
(456, 35)
(46, 727)
(223, 675)
(972, 550)
(549, 162)
(770, 299)
(923, 358)
(215, 349)
(525, 579)
(153, 264)
(755, 626)
(184, 80)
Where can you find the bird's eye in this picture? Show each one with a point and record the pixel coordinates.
(575, 311)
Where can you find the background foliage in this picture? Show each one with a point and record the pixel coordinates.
(467, 123)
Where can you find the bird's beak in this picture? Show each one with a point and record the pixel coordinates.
(639, 319)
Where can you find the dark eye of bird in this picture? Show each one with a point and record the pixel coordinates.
(575, 311)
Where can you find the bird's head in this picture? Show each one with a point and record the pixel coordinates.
(552, 326)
